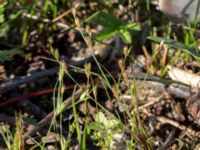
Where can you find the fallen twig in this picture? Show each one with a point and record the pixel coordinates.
(34, 109)
(51, 115)
(45, 20)
(188, 131)
(156, 100)
(5, 87)
(100, 51)
(33, 94)
(50, 138)
(169, 140)
(23, 97)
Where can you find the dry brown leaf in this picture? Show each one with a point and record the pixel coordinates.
(183, 76)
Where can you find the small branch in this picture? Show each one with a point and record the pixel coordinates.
(51, 115)
(5, 87)
(169, 140)
(24, 97)
(34, 109)
(188, 131)
(51, 138)
(18, 98)
(153, 102)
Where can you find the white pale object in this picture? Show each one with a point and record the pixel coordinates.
(183, 76)
(180, 10)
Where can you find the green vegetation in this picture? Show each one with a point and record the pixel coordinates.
(85, 101)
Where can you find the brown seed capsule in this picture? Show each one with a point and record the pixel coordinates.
(193, 107)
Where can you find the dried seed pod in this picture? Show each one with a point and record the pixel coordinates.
(193, 107)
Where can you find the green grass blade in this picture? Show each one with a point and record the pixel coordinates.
(178, 45)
